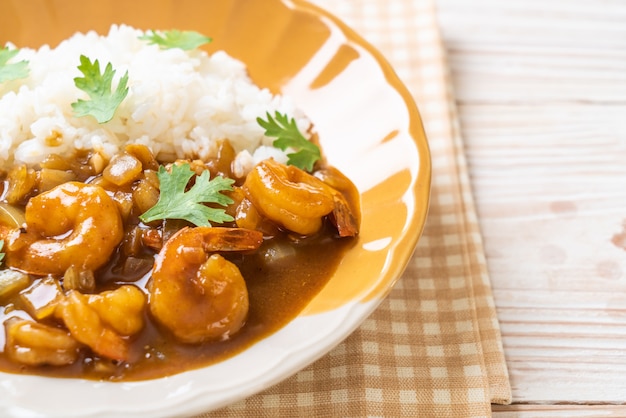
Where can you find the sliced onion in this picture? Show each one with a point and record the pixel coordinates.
(12, 281)
(11, 216)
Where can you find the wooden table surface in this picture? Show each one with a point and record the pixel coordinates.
(541, 92)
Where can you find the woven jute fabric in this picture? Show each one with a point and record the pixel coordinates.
(433, 347)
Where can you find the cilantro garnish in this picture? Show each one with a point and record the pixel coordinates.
(104, 102)
(177, 203)
(1, 253)
(185, 40)
(288, 135)
(13, 71)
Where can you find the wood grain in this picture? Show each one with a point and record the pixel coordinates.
(565, 411)
(541, 91)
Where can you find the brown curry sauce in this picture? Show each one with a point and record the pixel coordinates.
(279, 287)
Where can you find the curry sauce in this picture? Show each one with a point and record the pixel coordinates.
(279, 288)
(282, 273)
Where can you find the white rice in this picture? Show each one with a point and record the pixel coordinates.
(179, 103)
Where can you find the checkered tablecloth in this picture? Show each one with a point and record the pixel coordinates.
(433, 346)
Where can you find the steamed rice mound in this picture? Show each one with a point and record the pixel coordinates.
(179, 103)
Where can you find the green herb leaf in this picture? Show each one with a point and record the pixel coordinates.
(104, 102)
(288, 135)
(13, 71)
(185, 40)
(1, 253)
(177, 203)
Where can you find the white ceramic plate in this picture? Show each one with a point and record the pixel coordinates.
(369, 128)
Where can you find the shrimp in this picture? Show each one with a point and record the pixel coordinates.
(121, 309)
(86, 326)
(346, 210)
(34, 344)
(196, 294)
(71, 224)
(296, 200)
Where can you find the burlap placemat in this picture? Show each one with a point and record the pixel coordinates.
(433, 346)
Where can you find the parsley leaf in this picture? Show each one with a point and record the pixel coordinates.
(288, 135)
(1, 254)
(103, 101)
(185, 40)
(176, 203)
(13, 71)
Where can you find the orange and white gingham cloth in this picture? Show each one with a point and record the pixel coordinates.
(433, 347)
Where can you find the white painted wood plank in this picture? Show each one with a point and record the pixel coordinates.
(541, 90)
(532, 411)
(573, 24)
(536, 51)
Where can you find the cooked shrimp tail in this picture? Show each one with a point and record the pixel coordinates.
(343, 217)
(346, 208)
